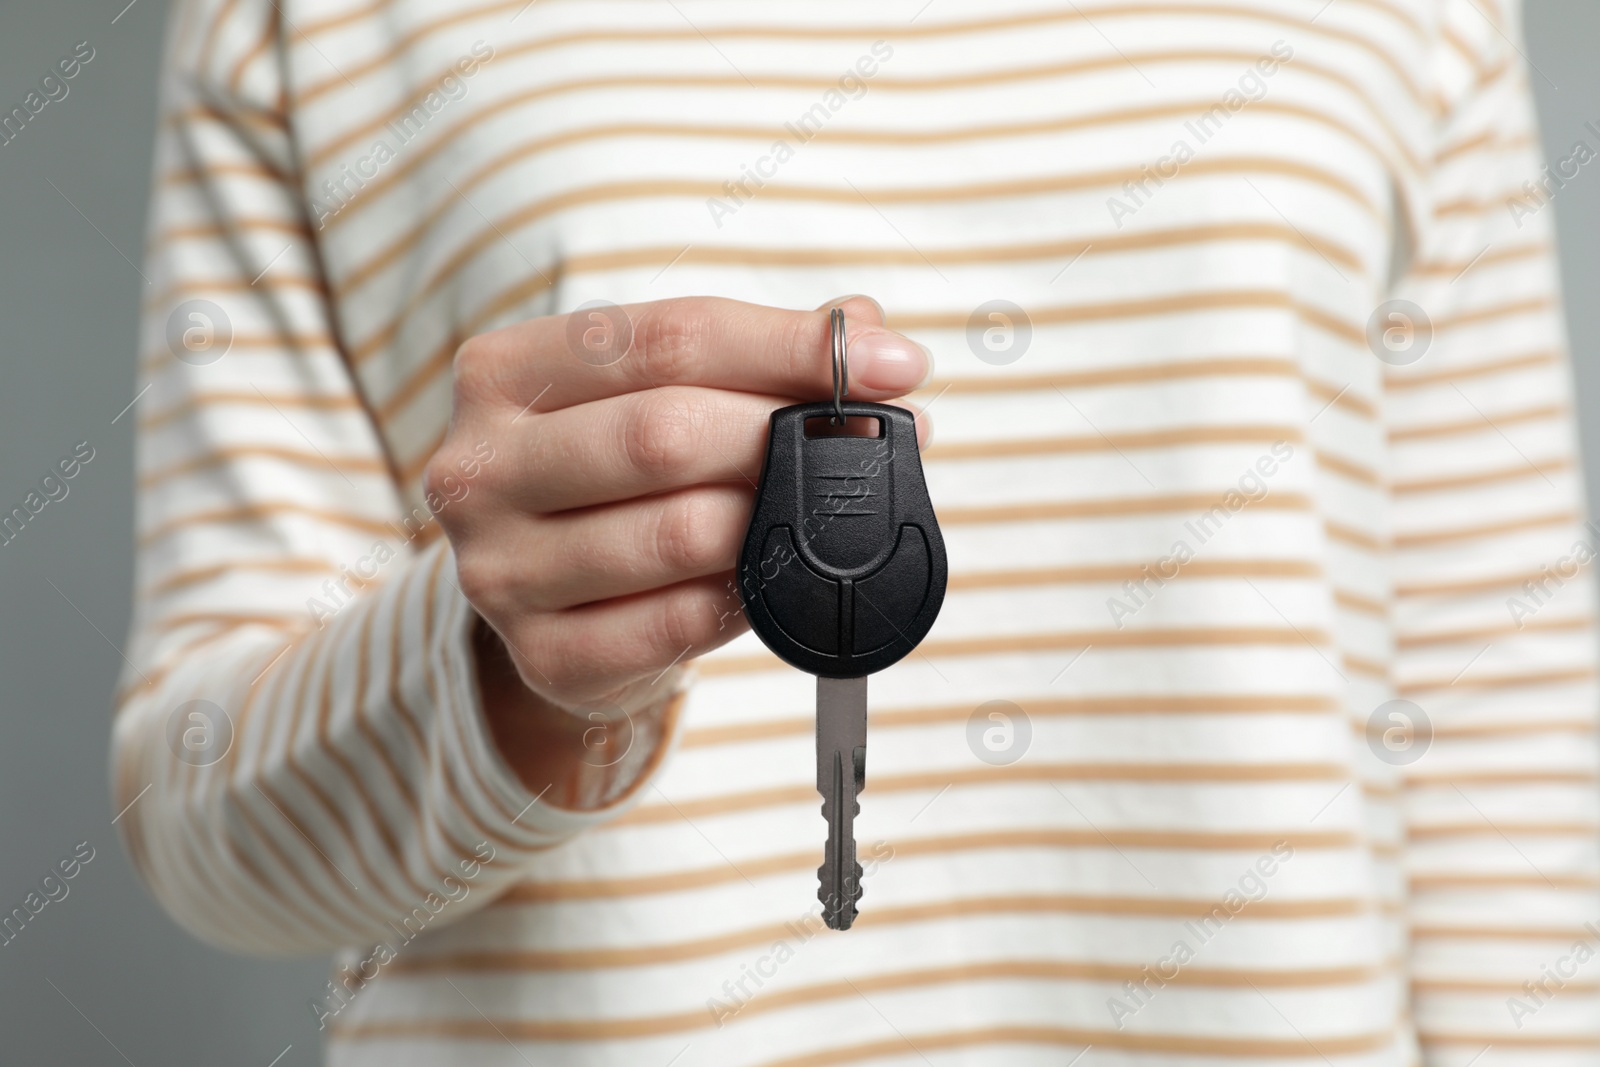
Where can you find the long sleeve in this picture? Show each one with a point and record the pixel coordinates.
(1493, 606)
(299, 745)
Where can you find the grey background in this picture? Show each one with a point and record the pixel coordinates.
(104, 977)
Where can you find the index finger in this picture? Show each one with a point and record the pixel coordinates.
(709, 342)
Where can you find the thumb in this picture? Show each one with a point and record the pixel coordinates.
(858, 307)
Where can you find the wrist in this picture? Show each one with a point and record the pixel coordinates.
(573, 758)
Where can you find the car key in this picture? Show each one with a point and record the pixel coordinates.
(842, 574)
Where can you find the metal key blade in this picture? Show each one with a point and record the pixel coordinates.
(841, 775)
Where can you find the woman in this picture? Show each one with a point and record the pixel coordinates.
(1258, 720)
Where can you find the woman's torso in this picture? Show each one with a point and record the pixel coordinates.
(1156, 471)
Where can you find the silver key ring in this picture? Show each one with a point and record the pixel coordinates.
(841, 365)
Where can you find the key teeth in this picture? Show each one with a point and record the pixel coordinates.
(839, 915)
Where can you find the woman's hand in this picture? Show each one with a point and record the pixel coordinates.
(600, 539)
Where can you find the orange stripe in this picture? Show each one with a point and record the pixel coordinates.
(1505, 987)
(902, 915)
(1145, 373)
(1487, 368)
(200, 575)
(1154, 439)
(1138, 374)
(275, 344)
(1356, 602)
(1488, 139)
(244, 118)
(1349, 535)
(204, 400)
(251, 169)
(1551, 412)
(208, 44)
(184, 288)
(1370, 667)
(171, 662)
(769, 1000)
(1122, 572)
(1187, 637)
(1125, 1040)
(979, 777)
(1502, 681)
(230, 456)
(891, 718)
(1518, 728)
(1453, 269)
(229, 619)
(1497, 311)
(1479, 829)
(1481, 478)
(261, 513)
(1348, 468)
(1122, 1040)
(1509, 1039)
(1547, 776)
(1425, 639)
(1495, 529)
(269, 33)
(1499, 582)
(1501, 933)
(315, 27)
(236, 225)
(1099, 311)
(681, 880)
(1123, 507)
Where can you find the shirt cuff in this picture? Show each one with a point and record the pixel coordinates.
(488, 799)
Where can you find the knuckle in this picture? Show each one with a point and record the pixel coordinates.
(537, 579)
(477, 579)
(683, 543)
(467, 367)
(581, 673)
(447, 484)
(680, 623)
(479, 372)
(441, 466)
(543, 661)
(670, 335)
(796, 338)
(572, 553)
(658, 438)
(558, 668)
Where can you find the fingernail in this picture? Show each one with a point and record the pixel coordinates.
(860, 296)
(927, 376)
(885, 361)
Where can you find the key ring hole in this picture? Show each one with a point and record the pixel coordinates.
(853, 426)
(841, 369)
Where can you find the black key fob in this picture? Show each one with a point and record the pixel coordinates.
(843, 569)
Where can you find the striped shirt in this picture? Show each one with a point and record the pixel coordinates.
(1259, 722)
